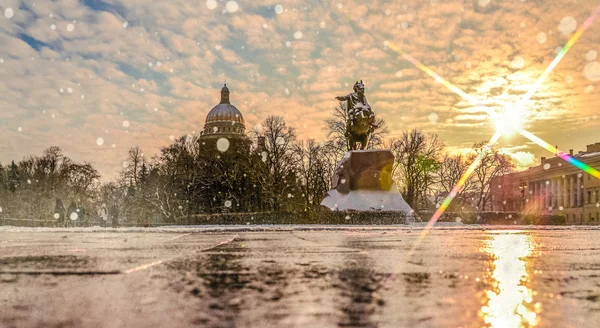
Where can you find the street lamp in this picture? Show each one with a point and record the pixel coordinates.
(522, 187)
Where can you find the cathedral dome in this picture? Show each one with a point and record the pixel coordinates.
(224, 118)
(224, 112)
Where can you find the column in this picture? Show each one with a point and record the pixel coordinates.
(540, 195)
(557, 191)
(571, 191)
(578, 191)
(553, 193)
(565, 196)
(553, 185)
(532, 194)
(549, 195)
(536, 194)
(529, 194)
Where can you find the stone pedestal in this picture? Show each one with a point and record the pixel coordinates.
(363, 182)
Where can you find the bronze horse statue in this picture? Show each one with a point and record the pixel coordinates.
(360, 117)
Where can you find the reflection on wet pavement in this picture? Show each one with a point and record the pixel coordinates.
(510, 302)
(457, 278)
(358, 284)
(226, 285)
(45, 262)
(222, 272)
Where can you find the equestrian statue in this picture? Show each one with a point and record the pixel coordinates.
(362, 180)
(360, 122)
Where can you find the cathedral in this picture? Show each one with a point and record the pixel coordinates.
(225, 121)
(226, 161)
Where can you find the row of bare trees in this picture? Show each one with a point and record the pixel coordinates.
(279, 173)
(271, 172)
(32, 187)
(427, 174)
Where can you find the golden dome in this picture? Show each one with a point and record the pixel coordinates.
(224, 111)
(224, 119)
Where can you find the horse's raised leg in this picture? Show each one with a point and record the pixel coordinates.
(363, 142)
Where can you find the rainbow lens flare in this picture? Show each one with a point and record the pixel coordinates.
(463, 179)
(437, 77)
(561, 54)
(568, 158)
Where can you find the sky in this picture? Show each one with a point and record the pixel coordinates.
(96, 77)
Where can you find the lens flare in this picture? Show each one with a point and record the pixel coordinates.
(463, 179)
(561, 54)
(568, 158)
(437, 77)
(511, 118)
(508, 121)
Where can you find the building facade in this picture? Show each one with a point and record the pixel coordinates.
(553, 187)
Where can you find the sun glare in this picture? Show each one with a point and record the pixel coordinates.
(509, 120)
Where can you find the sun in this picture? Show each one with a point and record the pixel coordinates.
(509, 120)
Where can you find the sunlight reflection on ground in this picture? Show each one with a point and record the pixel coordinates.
(510, 301)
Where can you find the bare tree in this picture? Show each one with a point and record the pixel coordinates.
(450, 171)
(279, 176)
(133, 166)
(315, 170)
(226, 182)
(35, 184)
(81, 178)
(416, 161)
(3, 178)
(13, 176)
(492, 165)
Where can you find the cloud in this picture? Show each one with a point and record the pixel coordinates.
(522, 160)
(121, 61)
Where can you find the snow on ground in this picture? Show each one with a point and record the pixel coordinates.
(306, 227)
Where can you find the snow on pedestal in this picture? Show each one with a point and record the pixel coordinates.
(363, 182)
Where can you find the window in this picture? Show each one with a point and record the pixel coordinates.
(589, 197)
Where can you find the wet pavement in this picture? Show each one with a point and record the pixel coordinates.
(301, 277)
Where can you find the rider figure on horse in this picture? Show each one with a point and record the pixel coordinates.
(361, 119)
